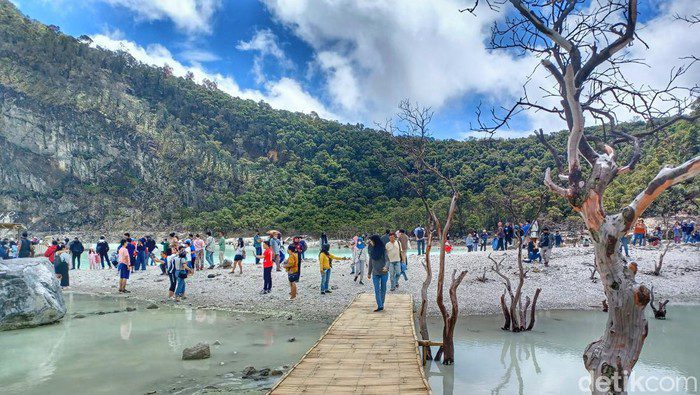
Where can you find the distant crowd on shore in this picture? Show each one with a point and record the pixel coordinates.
(381, 258)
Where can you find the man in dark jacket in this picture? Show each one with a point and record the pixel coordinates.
(102, 249)
(25, 246)
(76, 249)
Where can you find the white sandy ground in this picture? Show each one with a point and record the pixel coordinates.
(565, 284)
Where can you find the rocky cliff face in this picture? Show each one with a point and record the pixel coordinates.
(57, 171)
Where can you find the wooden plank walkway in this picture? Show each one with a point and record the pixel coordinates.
(362, 353)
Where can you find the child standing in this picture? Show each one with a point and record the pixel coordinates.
(292, 267)
(325, 260)
(93, 258)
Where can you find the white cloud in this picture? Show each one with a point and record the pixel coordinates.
(284, 93)
(264, 42)
(191, 16)
(372, 54)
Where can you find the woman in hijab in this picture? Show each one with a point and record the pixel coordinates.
(61, 259)
(378, 269)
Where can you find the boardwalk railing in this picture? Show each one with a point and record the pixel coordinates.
(363, 353)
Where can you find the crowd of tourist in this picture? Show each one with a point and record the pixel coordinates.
(383, 259)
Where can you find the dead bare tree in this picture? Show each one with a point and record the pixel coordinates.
(660, 262)
(582, 47)
(412, 134)
(516, 205)
(659, 312)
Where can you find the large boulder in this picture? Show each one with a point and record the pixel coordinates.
(30, 294)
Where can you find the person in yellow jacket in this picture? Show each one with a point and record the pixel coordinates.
(325, 261)
(292, 267)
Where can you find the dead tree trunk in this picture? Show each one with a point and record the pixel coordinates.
(659, 312)
(516, 315)
(449, 319)
(422, 323)
(660, 262)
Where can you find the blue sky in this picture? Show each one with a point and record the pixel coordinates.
(347, 60)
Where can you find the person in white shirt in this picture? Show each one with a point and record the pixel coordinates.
(393, 253)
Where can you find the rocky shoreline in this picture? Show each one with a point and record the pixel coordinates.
(566, 284)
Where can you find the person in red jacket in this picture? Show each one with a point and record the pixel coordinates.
(51, 251)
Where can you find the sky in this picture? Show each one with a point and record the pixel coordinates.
(352, 60)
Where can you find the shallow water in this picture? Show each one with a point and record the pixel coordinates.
(140, 351)
(548, 359)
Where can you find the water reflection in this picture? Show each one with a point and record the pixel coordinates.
(548, 359)
(52, 359)
(125, 329)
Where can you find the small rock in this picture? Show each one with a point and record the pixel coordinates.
(152, 306)
(78, 316)
(222, 363)
(289, 317)
(264, 372)
(212, 275)
(100, 313)
(198, 351)
(275, 372)
(292, 339)
(217, 343)
(131, 309)
(151, 392)
(248, 371)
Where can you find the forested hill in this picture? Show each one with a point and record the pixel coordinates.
(93, 139)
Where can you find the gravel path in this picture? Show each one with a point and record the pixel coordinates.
(565, 284)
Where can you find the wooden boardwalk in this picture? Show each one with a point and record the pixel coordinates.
(362, 353)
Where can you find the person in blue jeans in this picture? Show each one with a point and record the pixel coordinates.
(379, 269)
(624, 244)
(419, 232)
(183, 270)
(325, 260)
(141, 257)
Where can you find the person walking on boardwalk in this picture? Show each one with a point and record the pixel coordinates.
(291, 265)
(405, 245)
(393, 255)
(378, 269)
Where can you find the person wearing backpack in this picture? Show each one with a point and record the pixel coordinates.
(419, 232)
(545, 245)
